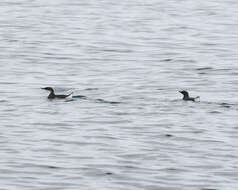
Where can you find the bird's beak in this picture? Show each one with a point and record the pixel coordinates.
(180, 91)
(43, 88)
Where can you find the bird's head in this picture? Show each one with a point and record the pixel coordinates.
(185, 93)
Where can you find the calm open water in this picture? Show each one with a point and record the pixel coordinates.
(129, 58)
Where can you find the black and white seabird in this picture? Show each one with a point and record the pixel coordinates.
(187, 98)
(52, 94)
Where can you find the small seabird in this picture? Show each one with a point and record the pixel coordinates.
(52, 94)
(187, 98)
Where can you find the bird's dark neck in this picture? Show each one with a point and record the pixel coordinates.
(185, 96)
(52, 94)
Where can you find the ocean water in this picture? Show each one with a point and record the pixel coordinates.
(126, 128)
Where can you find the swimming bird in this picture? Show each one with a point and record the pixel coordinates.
(52, 94)
(187, 98)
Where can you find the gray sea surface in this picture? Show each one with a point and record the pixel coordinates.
(127, 127)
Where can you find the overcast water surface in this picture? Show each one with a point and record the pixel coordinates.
(126, 128)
